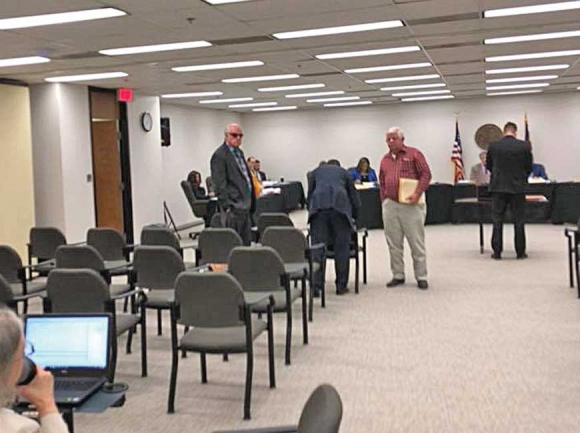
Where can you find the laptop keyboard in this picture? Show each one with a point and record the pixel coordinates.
(73, 385)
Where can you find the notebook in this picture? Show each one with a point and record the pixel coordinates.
(75, 349)
(408, 187)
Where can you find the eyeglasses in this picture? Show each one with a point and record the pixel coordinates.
(235, 134)
(28, 349)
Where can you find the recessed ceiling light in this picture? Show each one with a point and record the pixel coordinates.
(544, 55)
(225, 101)
(255, 104)
(536, 9)
(537, 37)
(416, 86)
(518, 92)
(298, 87)
(60, 18)
(86, 77)
(348, 104)
(388, 68)
(409, 78)
(263, 78)
(517, 86)
(429, 92)
(191, 95)
(365, 53)
(218, 66)
(223, 2)
(527, 69)
(288, 107)
(308, 95)
(338, 30)
(19, 61)
(344, 98)
(155, 48)
(427, 98)
(516, 79)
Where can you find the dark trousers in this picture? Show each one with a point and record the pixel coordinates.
(241, 222)
(332, 229)
(499, 204)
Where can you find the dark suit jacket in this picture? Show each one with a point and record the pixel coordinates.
(261, 176)
(229, 183)
(510, 161)
(331, 187)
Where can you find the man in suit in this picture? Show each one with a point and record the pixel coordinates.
(233, 184)
(479, 172)
(333, 204)
(261, 175)
(510, 162)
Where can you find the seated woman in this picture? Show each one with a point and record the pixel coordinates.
(194, 179)
(363, 171)
(40, 392)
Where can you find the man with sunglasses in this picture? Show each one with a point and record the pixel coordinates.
(233, 183)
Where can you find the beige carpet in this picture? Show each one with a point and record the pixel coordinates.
(490, 347)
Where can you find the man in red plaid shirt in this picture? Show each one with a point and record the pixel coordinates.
(404, 218)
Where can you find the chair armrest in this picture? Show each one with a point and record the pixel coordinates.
(32, 267)
(312, 248)
(201, 268)
(255, 298)
(20, 298)
(137, 291)
(281, 429)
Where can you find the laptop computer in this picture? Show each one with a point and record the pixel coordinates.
(75, 349)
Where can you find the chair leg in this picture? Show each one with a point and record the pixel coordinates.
(356, 273)
(249, 373)
(129, 340)
(570, 262)
(174, 365)
(225, 356)
(113, 360)
(364, 251)
(143, 342)
(159, 330)
(271, 364)
(126, 305)
(288, 332)
(304, 312)
(310, 300)
(323, 293)
(203, 367)
(184, 352)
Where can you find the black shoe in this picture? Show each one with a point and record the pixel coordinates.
(423, 284)
(316, 295)
(496, 256)
(342, 291)
(522, 256)
(395, 282)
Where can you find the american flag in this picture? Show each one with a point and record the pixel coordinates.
(457, 156)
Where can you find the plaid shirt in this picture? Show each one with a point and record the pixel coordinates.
(410, 163)
(242, 164)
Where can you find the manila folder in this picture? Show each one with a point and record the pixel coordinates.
(406, 188)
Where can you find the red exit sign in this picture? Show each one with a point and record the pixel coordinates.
(124, 95)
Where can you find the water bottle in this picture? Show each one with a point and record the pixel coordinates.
(28, 372)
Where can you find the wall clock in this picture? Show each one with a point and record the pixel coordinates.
(146, 121)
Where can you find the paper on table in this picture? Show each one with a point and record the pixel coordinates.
(407, 188)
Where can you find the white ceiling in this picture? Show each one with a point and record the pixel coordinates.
(449, 32)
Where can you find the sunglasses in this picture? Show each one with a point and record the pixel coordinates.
(235, 135)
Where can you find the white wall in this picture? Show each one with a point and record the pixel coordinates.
(195, 134)
(146, 166)
(289, 144)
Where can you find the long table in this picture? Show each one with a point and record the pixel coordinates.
(291, 197)
(456, 204)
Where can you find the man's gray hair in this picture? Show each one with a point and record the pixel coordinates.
(396, 130)
(10, 335)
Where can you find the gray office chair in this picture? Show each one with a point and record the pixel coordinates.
(214, 307)
(201, 208)
(155, 269)
(43, 242)
(159, 234)
(272, 219)
(300, 259)
(322, 413)
(86, 291)
(112, 247)
(355, 250)
(215, 245)
(261, 270)
(8, 298)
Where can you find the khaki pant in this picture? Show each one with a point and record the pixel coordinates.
(405, 221)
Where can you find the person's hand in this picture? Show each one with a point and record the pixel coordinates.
(40, 392)
(413, 198)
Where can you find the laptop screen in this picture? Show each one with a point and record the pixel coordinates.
(63, 342)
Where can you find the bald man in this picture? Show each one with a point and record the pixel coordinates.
(233, 183)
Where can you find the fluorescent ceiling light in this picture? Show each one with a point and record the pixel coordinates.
(155, 48)
(344, 98)
(86, 77)
(60, 18)
(256, 104)
(536, 9)
(517, 86)
(544, 55)
(409, 78)
(388, 68)
(298, 87)
(218, 66)
(191, 95)
(307, 95)
(429, 92)
(19, 61)
(427, 98)
(223, 2)
(537, 37)
(519, 92)
(527, 69)
(288, 107)
(416, 86)
(338, 30)
(516, 79)
(224, 101)
(368, 53)
(348, 104)
(263, 78)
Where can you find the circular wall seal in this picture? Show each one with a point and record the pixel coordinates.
(486, 134)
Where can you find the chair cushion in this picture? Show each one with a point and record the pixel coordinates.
(125, 322)
(230, 339)
(280, 301)
(160, 298)
(119, 289)
(296, 270)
